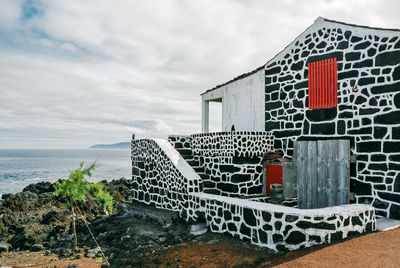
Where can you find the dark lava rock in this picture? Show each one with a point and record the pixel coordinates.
(37, 247)
(54, 217)
(93, 253)
(38, 188)
(4, 247)
(26, 237)
(120, 189)
(23, 201)
(36, 218)
(10, 222)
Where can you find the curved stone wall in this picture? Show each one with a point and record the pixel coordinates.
(277, 227)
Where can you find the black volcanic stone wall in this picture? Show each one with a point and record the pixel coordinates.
(368, 111)
(180, 142)
(233, 143)
(281, 229)
(233, 176)
(232, 161)
(156, 180)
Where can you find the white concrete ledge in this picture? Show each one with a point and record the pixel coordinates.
(385, 224)
(323, 212)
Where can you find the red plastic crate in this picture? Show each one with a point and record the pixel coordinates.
(274, 175)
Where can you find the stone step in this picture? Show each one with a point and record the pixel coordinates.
(198, 229)
(146, 212)
(185, 153)
(204, 176)
(198, 169)
(187, 157)
(193, 163)
(212, 191)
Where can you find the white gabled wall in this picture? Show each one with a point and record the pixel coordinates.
(243, 103)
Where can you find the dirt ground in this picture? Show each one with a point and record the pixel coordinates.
(217, 255)
(373, 250)
(38, 259)
(380, 249)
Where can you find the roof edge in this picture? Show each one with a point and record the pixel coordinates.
(320, 20)
(359, 26)
(317, 20)
(235, 79)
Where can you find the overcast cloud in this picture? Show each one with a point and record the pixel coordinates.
(76, 73)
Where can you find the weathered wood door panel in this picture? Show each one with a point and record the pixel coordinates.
(322, 172)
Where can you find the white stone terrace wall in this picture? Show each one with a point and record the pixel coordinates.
(232, 161)
(277, 227)
(234, 143)
(160, 176)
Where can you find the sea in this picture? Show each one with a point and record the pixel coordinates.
(19, 168)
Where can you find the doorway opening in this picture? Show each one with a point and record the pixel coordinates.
(215, 112)
(212, 115)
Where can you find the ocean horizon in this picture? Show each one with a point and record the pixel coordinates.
(19, 167)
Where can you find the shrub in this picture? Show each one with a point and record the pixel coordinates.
(76, 188)
(102, 197)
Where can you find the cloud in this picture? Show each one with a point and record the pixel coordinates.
(74, 73)
(9, 13)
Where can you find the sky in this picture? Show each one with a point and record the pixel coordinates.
(76, 73)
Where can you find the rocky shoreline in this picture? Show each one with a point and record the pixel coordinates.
(36, 220)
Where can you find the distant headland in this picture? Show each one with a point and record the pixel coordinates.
(120, 145)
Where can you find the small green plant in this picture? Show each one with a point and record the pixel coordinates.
(76, 188)
(102, 260)
(102, 197)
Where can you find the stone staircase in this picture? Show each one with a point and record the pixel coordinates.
(187, 154)
(183, 145)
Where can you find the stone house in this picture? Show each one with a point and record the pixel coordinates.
(334, 81)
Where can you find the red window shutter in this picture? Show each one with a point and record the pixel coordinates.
(322, 84)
